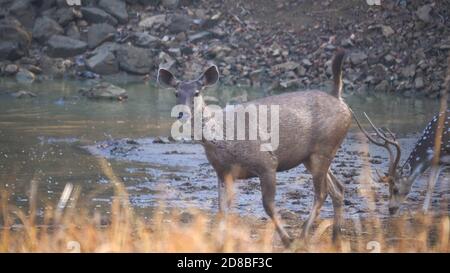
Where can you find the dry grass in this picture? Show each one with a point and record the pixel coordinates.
(64, 228)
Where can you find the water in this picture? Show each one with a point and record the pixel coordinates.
(43, 139)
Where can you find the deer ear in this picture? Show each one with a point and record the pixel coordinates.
(210, 76)
(166, 78)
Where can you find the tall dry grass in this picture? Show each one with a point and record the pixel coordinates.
(65, 228)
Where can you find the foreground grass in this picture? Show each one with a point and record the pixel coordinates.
(64, 228)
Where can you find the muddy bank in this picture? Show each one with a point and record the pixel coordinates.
(399, 46)
(178, 175)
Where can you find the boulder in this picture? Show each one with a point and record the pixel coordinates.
(14, 40)
(103, 63)
(179, 23)
(408, 71)
(25, 76)
(287, 66)
(424, 13)
(23, 11)
(44, 28)
(200, 36)
(10, 69)
(99, 33)
(54, 67)
(150, 2)
(117, 8)
(63, 46)
(387, 31)
(418, 83)
(153, 21)
(95, 15)
(10, 51)
(357, 58)
(134, 59)
(63, 16)
(105, 90)
(144, 39)
(72, 31)
(170, 4)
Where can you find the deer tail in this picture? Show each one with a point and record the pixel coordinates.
(337, 72)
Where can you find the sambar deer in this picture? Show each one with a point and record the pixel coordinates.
(312, 126)
(419, 160)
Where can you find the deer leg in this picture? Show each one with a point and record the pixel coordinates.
(225, 190)
(268, 184)
(336, 191)
(318, 166)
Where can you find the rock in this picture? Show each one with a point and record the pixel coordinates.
(150, 2)
(63, 46)
(108, 46)
(87, 75)
(25, 76)
(199, 36)
(63, 16)
(72, 31)
(134, 59)
(387, 31)
(179, 23)
(408, 71)
(290, 84)
(357, 58)
(144, 39)
(116, 8)
(287, 66)
(301, 71)
(105, 90)
(23, 94)
(23, 11)
(55, 67)
(306, 63)
(383, 86)
(153, 21)
(103, 63)
(44, 28)
(10, 69)
(95, 15)
(170, 4)
(418, 83)
(379, 73)
(161, 140)
(9, 51)
(99, 33)
(424, 13)
(34, 69)
(389, 59)
(14, 40)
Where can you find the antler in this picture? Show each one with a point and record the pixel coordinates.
(387, 139)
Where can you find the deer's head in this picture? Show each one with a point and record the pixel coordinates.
(399, 180)
(188, 92)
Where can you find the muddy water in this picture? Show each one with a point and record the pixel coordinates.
(58, 136)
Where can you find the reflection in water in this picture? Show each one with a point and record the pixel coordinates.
(40, 138)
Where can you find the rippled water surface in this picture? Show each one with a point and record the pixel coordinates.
(52, 139)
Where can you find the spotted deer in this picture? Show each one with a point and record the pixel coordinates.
(312, 126)
(419, 160)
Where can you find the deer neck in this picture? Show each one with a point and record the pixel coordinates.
(203, 116)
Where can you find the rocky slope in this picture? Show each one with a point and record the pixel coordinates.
(400, 46)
